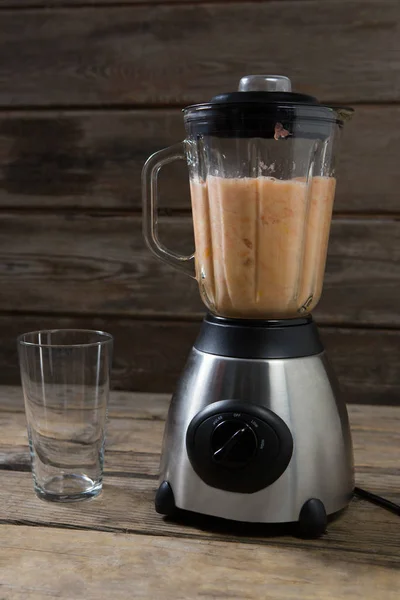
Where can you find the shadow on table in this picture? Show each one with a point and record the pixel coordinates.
(239, 529)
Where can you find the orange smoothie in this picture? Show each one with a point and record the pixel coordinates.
(261, 244)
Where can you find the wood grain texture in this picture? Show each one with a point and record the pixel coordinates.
(191, 557)
(126, 504)
(145, 436)
(87, 159)
(48, 4)
(188, 52)
(375, 430)
(125, 464)
(141, 405)
(104, 565)
(98, 264)
(149, 355)
(94, 160)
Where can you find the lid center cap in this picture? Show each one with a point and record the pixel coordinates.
(265, 83)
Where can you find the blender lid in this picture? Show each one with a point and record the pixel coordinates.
(260, 102)
(265, 89)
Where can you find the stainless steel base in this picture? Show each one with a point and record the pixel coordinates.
(305, 394)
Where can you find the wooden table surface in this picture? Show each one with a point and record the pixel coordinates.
(117, 547)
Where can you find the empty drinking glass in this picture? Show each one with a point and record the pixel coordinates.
(65, 377)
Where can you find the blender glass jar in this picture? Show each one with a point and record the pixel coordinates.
(262, 179)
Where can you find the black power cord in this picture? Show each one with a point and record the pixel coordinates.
(392, 506)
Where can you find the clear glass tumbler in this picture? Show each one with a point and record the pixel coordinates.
(65, 377)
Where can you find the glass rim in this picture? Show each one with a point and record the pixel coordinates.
(108, 338)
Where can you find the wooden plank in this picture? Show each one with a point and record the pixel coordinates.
(127, 501)
(372, 463)
(81, 159)
(87, 159)
(134, 443)
(122, 405)
(124, 464)
(103, 565)
(48, 4)
(144, 436)
(108, 270)
(150, 355)
(105, 269)
(183, 53)
(365, 362)
(366, 158)
(127, 505)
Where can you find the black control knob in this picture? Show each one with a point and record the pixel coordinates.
(233, 443)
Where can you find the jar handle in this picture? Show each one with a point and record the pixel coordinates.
(150, 173)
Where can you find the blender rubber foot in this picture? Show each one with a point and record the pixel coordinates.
(165, 501)
(312, 519)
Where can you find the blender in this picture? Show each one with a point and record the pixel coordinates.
(257, 430)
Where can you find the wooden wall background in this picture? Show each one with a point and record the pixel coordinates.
(89, 88)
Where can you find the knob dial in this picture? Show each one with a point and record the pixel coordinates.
(238, 447)
(233, 444)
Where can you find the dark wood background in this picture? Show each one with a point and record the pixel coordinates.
(90, 88)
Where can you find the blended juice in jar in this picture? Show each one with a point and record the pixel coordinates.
(261, 244)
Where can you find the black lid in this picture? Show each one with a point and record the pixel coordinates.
(264, 106)
(264, 98)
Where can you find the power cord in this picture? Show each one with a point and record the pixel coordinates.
(387, 504)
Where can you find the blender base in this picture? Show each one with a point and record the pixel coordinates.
(257, 439)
